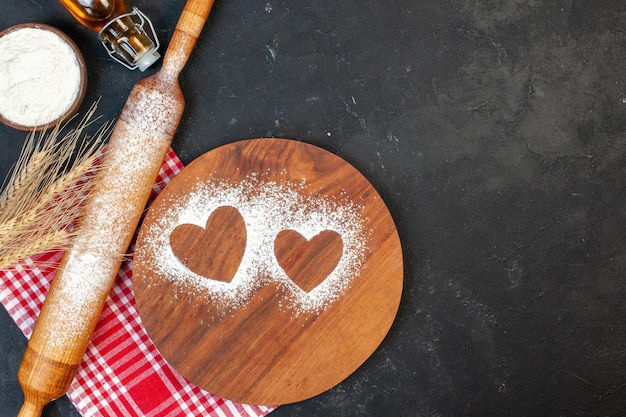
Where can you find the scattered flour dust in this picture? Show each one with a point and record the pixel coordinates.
(267, 208)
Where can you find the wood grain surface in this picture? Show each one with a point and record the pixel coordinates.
(263, 350)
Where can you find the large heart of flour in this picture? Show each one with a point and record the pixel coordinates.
(216, 250)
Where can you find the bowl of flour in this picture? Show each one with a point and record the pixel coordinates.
(43, 76)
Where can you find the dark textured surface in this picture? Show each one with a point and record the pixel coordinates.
(494, 130)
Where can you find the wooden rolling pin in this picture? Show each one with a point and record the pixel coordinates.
(134, 155)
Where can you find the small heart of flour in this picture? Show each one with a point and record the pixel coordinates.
(216, 250)
(308, 262)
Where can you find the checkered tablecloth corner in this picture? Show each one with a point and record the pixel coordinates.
(122, 373)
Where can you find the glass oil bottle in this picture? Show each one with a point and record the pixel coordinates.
(128, 37)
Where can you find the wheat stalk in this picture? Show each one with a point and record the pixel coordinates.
(39, 244)
(57, 197)
(21, 179)
(46, 189)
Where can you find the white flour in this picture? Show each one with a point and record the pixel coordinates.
(267, 208)
(39, 76)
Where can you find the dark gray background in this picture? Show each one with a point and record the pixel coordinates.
(494, 130)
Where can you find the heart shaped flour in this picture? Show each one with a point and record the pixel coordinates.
(216, 250)
(308, 262)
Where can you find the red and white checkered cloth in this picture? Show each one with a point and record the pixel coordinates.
(122, 373)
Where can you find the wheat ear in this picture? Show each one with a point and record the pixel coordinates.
(48, 185)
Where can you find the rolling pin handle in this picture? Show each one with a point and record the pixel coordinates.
(42, 381)
(30, 409)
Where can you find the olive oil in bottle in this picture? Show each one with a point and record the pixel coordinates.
(128, 37)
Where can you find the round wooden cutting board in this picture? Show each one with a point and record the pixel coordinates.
(268, 271)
